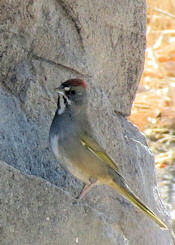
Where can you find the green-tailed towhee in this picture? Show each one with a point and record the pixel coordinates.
(77, 151)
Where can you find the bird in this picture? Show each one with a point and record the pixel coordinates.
(77, 150)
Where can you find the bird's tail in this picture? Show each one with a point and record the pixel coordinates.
(130, 196)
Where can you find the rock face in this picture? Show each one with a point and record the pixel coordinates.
(34, 212)
(44, 43)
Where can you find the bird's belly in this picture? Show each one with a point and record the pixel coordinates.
(67, 162)
(55, 147)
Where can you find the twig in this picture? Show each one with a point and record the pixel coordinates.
(163, 12)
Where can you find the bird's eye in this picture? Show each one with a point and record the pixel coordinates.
(73, 92)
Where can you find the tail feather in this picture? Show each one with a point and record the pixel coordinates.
(130, 196)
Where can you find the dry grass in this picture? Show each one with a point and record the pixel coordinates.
(154, 107)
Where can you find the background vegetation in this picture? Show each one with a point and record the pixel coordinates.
(154, 107)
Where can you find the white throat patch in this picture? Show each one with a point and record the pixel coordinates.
(62, 106)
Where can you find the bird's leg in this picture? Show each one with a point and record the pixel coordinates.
(86, 188)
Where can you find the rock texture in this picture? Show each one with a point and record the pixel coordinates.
(35, 212)
(44, 43)
(166, 184)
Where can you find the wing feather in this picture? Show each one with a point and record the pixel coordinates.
(92, 146)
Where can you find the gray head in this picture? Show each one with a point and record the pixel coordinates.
(72, 94)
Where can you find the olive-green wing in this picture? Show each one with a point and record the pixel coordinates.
(92, 146)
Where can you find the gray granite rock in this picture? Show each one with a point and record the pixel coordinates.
(44, 43)
(35, 212)
(104, 40)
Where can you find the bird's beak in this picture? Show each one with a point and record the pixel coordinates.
(60, 91)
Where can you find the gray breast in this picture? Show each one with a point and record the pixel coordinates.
(55, 147)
